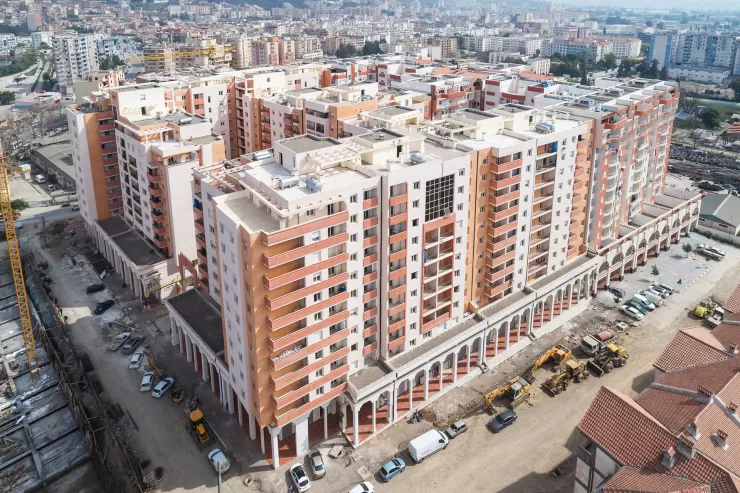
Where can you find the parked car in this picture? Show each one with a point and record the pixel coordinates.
(501, 421)
(637, 306)
(664, 293)
(76, 207)
(391, 469)
(147, 380)
(118, 341)
(618, 292)
(300, 478)
(643, 301)
(95, 288)
(456, 428)
(666, 287)
(364, 487)
(51, 187)
(427, 444)
(219, 461)
(136, 360)
(162, 387)
(103, 306)
(317, 464)
(653, 296)
(132, 343)
(632, 312)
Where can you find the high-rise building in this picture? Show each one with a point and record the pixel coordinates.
(75, 56)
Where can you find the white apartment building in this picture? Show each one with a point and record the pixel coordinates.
(75, 56)
(39, 37)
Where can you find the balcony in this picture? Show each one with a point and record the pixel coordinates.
(201, 241)
(302, 312)
(159, 228)
(502, 199)
(155, 192)
(397, 342)
(305, 228)
(497, 216)
(160, 242)
(370, 331)
(279, 301)
(299, 352)
(496, 290)
(502, 167)
(434, 239)
(282, 417)
(430, 258)
(370, 203)
(505, 228)
(493, 246)
(153, 178)
(506, 182)
(111, 172)
(302, 251)
(292, 396)
(495, 276)
(155, 203)
(398, 307)
(114, 194)
(616, 123)
(279, 342)
(433, 322)
(282, 279)
(199, 228)
(370, 348)
(399, 199)
(397, 273)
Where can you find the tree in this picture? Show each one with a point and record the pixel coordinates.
(346, 51)
(6, 97)
(710, 118)
(660, 25)
(644, 49)
(686, 102)
(655, 272)
(46, 76)
(686, 248)
(584, 79)
(609, 62)
(663, 74)
(735, 86)
(648, 23)
(44, 46)
(19, 205)
(372, 48)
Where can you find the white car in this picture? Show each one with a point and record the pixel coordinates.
(146, 382)
(219, 461)
(162, 387)
(136, 360)
(632, 312)
(712, 249)
(300, 478)
(364, 487)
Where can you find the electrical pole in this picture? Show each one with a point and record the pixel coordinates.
(219, 477)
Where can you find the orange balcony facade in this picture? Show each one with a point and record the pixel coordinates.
(283, 381)
(399, 199)
(426, 327)
(283, 279)
(498, 230)
(370, 331)
(276, 323)
(496, 216)
(397, 342)
(280, 363)
(502, 199)
(293, 396)
(305, 228)
(500, 168)
(397, 273)
(493, 277)
(371, 348)
(289, 340)
(370, 203)
(493, 291)
(275, 303)
(302, 251)
(292, 414)
(155, 192)
(506, 182)
(398, 218)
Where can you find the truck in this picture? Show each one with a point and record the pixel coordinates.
(40, 179)
(427, 444)
(593, 344)
(118, 341)
(710, 311)
(709, 253)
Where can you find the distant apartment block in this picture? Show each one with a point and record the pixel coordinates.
(75, 56)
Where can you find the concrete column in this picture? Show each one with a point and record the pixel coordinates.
(239, 410)
(411, 395)
(188, 349)
(301, 434)
(325, 411)
(344, 417)
(262, 440)
(181, 337)
(426, 385)
(196, 354)
(530, 321)
(212, 380)
(174, 338)
(232, 408)
(374, 410)
(355, 427)
(454, 367)
(468, 355)
(393, 410)
(275, 445)
(252, 427)
(552, 309)
(507, 333)
(206, 365)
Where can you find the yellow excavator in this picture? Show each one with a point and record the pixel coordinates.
(558, 354)
(517, 389)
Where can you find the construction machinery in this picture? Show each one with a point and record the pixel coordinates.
(710, 311)
(614, 356)
(197, 425)
(210, 52)
(558, 354)
(574, 370)
(16, 267)
(517, 389)
(176, 395)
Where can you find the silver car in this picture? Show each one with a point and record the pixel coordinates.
(162, 387)
(456, 428)
(147, 380)
(317, 464)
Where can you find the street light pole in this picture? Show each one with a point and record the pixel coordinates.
(219, 479)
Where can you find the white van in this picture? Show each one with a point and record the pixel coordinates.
(40, 178)
(643, 301)
(430, 442)
(654, 298)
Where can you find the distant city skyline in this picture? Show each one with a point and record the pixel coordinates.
(665, 5)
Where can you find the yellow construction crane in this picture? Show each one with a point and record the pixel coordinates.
(17, 267)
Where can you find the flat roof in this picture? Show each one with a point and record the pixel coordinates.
(169, 118)
(392, 111)
(254, 217)
(305, 143)
(407, 357)
(493, 309)
(60, 155)
(369, 374)
(202, 315)
(477, 115)
(134, 246)
(583, 259)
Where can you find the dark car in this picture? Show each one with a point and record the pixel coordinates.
(95, 288)
(618, 292)
(502, 421)
(103, 306)
(132, 343)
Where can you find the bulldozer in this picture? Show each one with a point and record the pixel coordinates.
(197, 426)
(710, 311)
(558, 354)
(613, 356)
(517, 389)
(574, 370)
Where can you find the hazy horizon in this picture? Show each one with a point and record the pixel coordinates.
(659, 4)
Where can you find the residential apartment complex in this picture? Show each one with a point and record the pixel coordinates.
(347, 251)
(75, 56)
(697, 55)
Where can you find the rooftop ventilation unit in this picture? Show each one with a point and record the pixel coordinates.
(184, 121)
(544, 128)
(260, 155)
(288, 181)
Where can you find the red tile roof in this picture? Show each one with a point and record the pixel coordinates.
(633, 480)
(628, 434)
(733, 303)
(691, 347)
(672, 409)
(712, 376)
(728, 333)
